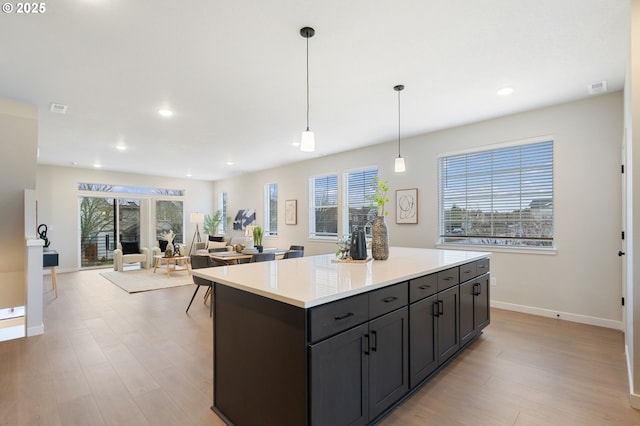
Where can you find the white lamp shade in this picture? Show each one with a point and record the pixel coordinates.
(308, 141)
(196, 217)
(399, 166)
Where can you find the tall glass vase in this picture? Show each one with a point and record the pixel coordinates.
(380, 240)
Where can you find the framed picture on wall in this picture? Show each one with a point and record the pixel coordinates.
(291, 212)
(407, 205)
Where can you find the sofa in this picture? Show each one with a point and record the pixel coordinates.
(217, 242)
(130, 252)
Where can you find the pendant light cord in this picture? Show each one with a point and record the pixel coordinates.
(307, 84)
(398, 123)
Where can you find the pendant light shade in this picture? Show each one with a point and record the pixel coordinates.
(307, 143)
(399, 165)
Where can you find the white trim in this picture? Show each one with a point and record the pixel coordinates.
(634, 398)
(567, 316)
(35, 330)
(499, 145)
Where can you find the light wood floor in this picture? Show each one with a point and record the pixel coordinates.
(108, 357)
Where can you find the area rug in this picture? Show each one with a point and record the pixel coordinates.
(145, 280)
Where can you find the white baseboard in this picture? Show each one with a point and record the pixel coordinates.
(634, 398)
(34, 331)
(601, 322)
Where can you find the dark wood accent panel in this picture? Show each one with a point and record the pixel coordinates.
(387, 299)
(259, 346)
(339, 379)
(422, 287)
(334, 317)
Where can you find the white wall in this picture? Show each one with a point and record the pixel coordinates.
(58, 203)
(19, 142)
(581, 282)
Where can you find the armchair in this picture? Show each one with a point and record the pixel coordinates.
(130, 252)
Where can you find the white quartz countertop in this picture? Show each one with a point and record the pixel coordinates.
(310, 281)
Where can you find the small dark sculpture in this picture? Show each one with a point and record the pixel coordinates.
(43, 234)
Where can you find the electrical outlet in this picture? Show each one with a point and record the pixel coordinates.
(494, 282)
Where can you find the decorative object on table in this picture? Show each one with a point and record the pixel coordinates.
(168, 236)
(380, 232)
(407, 205)
(307, 143)
(238, 248)
(196, 218)
(399, 165)
(358, 247)
(42, 233)
(243, 219)
(350, 260)
(257, 238)
(343, 246)
(291, 212)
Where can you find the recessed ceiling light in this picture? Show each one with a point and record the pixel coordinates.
(165, 112)
(505, 91)
(230, 163)
(295, 143)
(121, 147)
(97, 165)
(189, 174)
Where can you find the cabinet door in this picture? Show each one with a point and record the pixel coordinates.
(339, 379)
(388, 360)
(482, 298)
(468, 324)
(423, 356)
(447, 322)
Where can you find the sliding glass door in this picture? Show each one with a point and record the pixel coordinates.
(97, 231)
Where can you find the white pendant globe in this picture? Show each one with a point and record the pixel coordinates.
(399, 166)
(308, 142)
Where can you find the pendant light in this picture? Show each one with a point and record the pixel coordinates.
(399, 165)
(307, 143)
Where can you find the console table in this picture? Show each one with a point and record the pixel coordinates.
(313, 342)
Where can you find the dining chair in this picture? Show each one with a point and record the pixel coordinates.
(263, 257)
(198, 262)
(293, 253)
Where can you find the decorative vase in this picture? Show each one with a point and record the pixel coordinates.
(358, 248)
(380, 239)
(168, 251)
(260, 248)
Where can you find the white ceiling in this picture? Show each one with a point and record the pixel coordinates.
(234, 73)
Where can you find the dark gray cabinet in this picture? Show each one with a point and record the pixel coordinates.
(388, 360)
(359, 373)
(346, 362)
(447, 317)
(474, 308)
(423, 359)
(339, 379)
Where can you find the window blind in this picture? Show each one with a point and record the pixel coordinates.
(358, 189)
(498, 197)
(323, 206)
(271, 209)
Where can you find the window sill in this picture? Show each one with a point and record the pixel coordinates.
(498, 249)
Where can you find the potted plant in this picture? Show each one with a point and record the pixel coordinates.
(211, 223)
(257, 238)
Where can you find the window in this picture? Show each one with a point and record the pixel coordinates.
(357, 210)
(498, 197)
(271, 209)
(323, 206)
(222, 206)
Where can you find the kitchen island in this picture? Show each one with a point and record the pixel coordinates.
(309, 341)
